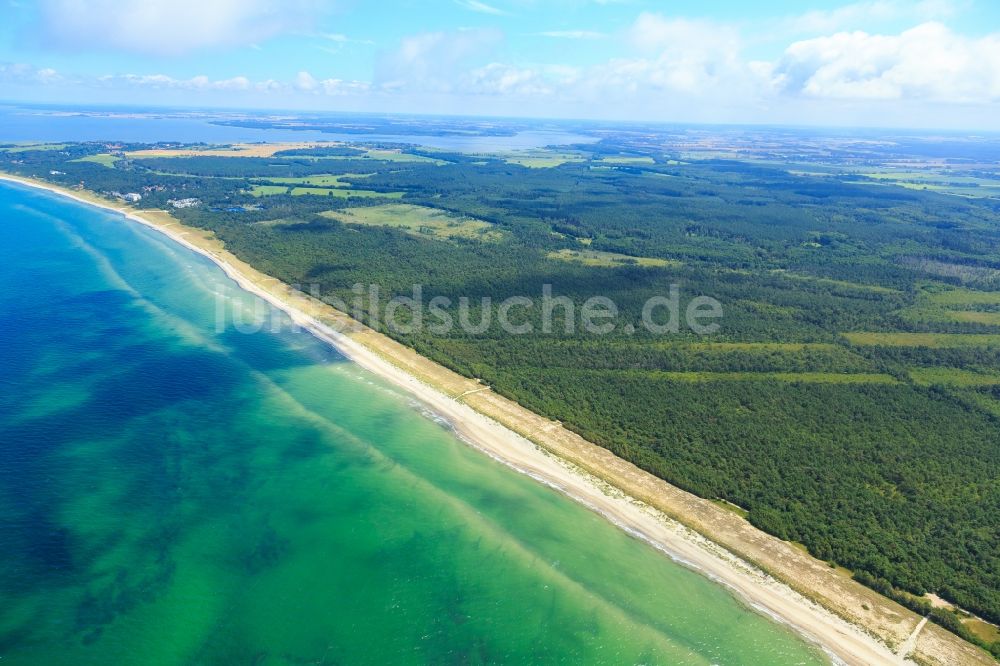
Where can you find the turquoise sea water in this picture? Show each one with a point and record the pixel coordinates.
(175, 492)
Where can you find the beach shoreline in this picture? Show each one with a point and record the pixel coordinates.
(593, 477)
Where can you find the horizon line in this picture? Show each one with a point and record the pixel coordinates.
(526, 118)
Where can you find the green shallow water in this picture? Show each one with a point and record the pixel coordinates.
(177, 492)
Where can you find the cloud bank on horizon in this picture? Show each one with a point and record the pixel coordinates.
(934, 63)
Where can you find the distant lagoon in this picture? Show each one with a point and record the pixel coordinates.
(19, 125)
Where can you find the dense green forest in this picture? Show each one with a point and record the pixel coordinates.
(850, 399)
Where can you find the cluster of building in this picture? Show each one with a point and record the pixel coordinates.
(129, 197)
(184, 203)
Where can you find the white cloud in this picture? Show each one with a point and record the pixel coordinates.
(677, 62)
(500, 79)
(270, 86)
(235, 83)
(657, 33)
(667, 67)
(928, 62)
(867, 13)
(307, 83)
(162, 81)
(572, 34)
(692, 56)
(303, 83)
(338, 38)
(341, 87)
(335, 42)
(14, 72)
(846, 16)
(673, 56)
(481, 7)
(47, 75)
(169, 27)
(436, 61)
(704, 62)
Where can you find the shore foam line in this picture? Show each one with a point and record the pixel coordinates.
(842, 641)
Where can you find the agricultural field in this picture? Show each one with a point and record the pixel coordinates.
(930, 340)
(268, 190)
(104, 159)
(607, 259)
(400, 156)
(965, 298)
(418, 220)
(338, 192)
(943, 376)
(236, 150)
(373, 154)
(321, 180)
(32, 147)
(934, 305)
(627, 160)
(343, 193)
(943, 181)
(541, 159)
(975, 317)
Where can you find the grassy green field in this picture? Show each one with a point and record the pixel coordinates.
(943, 376)
(320, 180)
(418, 220)
(607, 259)
(104, 159)
(267, 190)
(932, 340)
(965, 297)
(399, 156)
(21, 148)
(982, 400)
(380, 155)
(988, 632)
(338, 192)
(974, 317)
(938, 180)
(934, 305)
(541, 159)
(344, 193)
(627, 160)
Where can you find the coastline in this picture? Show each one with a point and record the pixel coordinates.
(693, 531)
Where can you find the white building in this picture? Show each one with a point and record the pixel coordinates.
(184, 203)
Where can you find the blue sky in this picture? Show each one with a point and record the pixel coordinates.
(929, 63)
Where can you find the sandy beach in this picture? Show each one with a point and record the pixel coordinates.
(759, 569)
